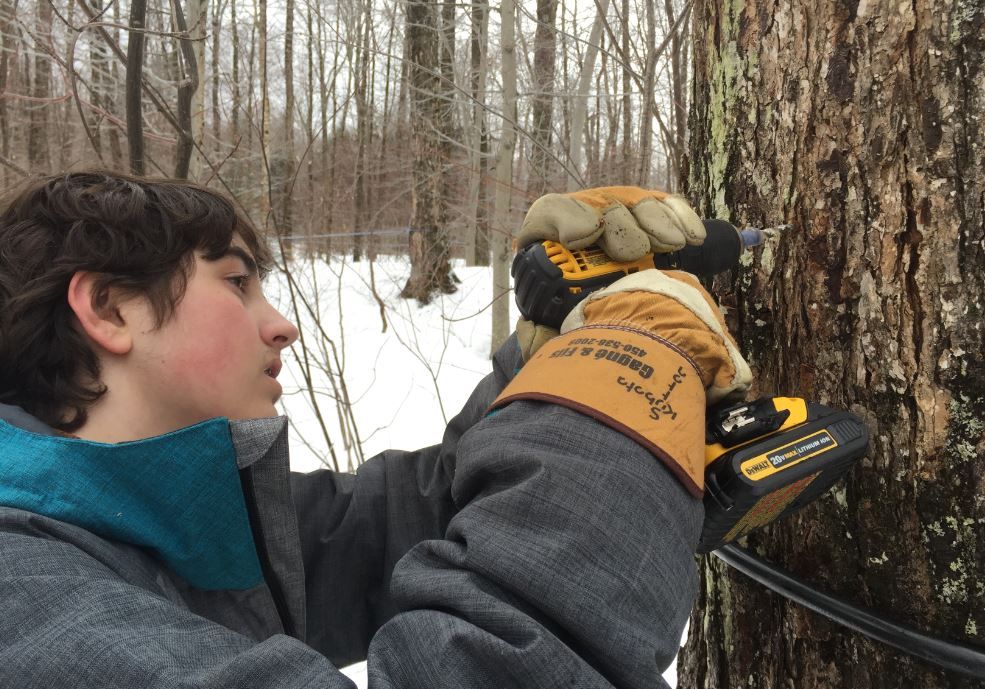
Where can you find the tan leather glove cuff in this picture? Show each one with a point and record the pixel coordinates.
(673, 304)
(634, 381)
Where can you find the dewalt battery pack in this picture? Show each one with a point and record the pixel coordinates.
(768, 458)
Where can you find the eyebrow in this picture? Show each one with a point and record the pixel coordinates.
(245, 257)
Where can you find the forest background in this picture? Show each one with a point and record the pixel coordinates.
(359, 126)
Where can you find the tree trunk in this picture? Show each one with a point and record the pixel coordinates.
(328, 154)
(309, 128)
(626, 155)
(502, 245)
(861, 125)
(115, 142)
(197, 19)
(363, 114)
(287, 161)
(216, 84)
(135, 69)
(250, 111)
(478, 245)
(265, 201)
(539, 179)
(580, 110)
(678, 97)
(6, 15)
(38, 132)
(99, 69)
(565, 102)
(237, 98)
(429, 252)
(649, 84)
(187, 88)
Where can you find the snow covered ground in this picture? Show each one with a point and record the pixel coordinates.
(403, 384)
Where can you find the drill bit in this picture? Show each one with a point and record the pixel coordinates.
(754, 236)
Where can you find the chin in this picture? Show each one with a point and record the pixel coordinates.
(259, 412)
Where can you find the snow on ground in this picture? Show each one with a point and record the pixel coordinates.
(403, 384)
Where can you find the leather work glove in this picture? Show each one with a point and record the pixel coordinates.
(626, 222)
(643, 356)
(532, 336)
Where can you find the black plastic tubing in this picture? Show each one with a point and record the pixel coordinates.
(959, 657)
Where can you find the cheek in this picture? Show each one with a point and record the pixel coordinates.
(218, 346)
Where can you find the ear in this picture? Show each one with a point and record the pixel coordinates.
(98, 314)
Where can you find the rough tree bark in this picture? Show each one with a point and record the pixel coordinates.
(861, 125)
(429, 251)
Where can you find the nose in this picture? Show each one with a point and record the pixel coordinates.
(276, 330)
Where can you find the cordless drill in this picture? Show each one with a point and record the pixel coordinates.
(763, 459)
(549, 280)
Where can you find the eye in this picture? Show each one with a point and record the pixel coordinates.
(242, 282)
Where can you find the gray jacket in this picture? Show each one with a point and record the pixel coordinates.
(531, 548)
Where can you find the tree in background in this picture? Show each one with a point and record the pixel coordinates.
(388, 134)
(502, 225)
(477, 240)
(545, 49)
(431, 114)
(861, 125)
(134, 102)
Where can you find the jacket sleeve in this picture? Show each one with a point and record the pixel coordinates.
(553, 551)
(354, 528)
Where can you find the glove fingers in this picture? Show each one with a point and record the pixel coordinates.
(560, 218)
(686, 219)
(661, 226)
(532, 337)
(622, 237)
(627, 196)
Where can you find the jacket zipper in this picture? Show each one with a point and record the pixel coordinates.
(280, 602)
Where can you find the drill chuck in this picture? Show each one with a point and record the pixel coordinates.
(719, 252)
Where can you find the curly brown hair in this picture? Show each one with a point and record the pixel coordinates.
(138, 234)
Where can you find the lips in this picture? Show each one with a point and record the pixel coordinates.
(273, 368)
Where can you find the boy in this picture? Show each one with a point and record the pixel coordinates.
(151, 534)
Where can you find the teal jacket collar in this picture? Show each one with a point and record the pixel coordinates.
(178, 495)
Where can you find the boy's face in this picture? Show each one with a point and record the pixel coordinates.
(219, 353)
